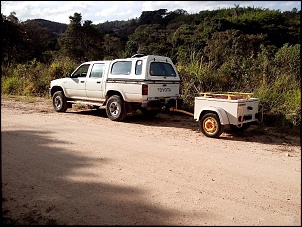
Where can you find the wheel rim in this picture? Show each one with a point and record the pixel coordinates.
(58, 102)
(210, 125)
(114, 109)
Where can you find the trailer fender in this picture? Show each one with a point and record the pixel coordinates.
(223, 117)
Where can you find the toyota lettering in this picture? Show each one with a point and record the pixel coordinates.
(166, 89)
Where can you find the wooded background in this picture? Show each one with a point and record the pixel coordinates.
(233, 49)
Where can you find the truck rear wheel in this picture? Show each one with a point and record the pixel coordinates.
(59, 101)
(210, 125)
(115, 108)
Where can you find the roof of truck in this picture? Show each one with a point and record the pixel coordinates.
(136, 56)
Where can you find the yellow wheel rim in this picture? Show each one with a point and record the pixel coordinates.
(210, 125)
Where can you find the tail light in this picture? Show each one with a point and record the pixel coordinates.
(145, 89)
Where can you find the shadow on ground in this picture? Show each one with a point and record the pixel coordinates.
(38, 188)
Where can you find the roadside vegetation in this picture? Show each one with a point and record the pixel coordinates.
(237, 49)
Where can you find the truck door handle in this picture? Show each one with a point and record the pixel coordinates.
(98, 82)
(82, 81)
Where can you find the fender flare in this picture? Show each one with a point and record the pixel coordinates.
(55, 88)
(111, 92)
(223, 117)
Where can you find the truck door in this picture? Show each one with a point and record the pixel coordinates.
(94, 83)
(75, 84)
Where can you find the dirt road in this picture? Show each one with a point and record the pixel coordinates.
(80, 168)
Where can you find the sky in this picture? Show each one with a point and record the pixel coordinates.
(102, 11)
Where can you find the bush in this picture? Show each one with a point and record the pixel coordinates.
(11, 85)
(33, 78)
(274, 78)
(60, 66)
(281, 101)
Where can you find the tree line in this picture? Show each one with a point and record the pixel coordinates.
(233, 49)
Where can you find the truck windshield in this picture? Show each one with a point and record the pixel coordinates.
(161, 69)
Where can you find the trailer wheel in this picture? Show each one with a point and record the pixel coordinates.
(115, 108)
(210, 125)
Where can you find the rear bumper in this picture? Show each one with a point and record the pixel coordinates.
(152, 104)
(161, 103)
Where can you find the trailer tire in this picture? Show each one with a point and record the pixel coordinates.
(115, 108)
(210, 125)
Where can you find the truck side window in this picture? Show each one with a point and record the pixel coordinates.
(97, 70)
(138, 67)
(81, 72)
(121, 67)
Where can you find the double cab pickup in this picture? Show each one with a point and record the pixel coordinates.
(149, 83)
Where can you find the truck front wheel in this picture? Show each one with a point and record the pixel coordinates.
(59, 101)
(210, 125)
(115, 108)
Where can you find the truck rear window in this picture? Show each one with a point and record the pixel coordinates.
(161, 69)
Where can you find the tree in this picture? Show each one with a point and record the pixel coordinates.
(40, 39)
(15, 45)
(112, 46)
(81, 42)
(71, 42)
(149, 39)
(12, 17)
(152, 17)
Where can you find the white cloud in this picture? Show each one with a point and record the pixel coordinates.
(101, 11)
(120, 10)
(289, 5)
(107, 12)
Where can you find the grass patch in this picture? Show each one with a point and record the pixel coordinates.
(19, 98)
(79, 106)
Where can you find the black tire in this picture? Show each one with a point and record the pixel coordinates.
(210, 125)
(244, 127)
(115, 108)
(59, 101)
(149, 113)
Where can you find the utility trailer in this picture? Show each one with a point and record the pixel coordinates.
(216, 110)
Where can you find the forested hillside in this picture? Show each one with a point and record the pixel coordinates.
(235, 49)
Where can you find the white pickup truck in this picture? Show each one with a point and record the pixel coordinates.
(148, 83)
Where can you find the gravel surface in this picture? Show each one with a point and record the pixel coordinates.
(80, 168)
